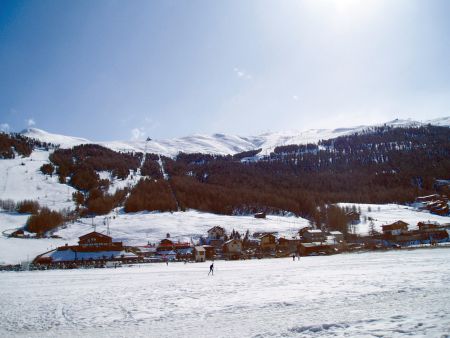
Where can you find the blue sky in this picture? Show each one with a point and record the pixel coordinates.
(109, 70)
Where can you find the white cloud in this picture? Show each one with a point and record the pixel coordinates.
(137, 134)
(242, 74)
(295, 97)
(4, 127)
(31, 122)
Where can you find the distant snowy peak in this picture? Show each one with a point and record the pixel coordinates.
(62, 140)
(222, 144)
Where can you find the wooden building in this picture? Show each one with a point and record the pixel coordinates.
(313, 235)
(232, 249)
(394, 229)
(268, 242)
(95, 241)
(199, 253)
(216, 233)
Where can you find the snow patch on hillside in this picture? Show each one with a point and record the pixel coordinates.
(21, 179)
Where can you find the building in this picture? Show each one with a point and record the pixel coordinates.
(288, 245)
(315, 248)
(394, 229)
(268, 242)
(338, 236)
(216, 233)
(313, 235)
(165, 245)
(260, 215)
(18, 233)
(232, 249)
(199, 254)
(95, 241)
(428, 198)
(93, 249)
(210, 251)
(428, 227)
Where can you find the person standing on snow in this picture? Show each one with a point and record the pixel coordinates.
(211, 269)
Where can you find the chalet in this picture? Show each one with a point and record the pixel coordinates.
(268, 242)
(428, 198)
(165, 245)
(394, 229)
(148, 250)
(18, 233)
(232, 249)
(313, 235)
(169, 255)
(288, 245)
(92, 248)
(95, 241)
(315, 248)
(338, 236)
(428, 227)
(216, 233)
(184, 250)
(199, 254)
(210, 251)
(260, 215)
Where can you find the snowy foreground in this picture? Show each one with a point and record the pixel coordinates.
(392, 294)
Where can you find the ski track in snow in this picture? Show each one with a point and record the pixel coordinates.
(389, 294)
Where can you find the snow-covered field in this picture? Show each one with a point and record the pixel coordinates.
(389, 294)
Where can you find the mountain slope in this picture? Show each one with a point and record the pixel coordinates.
(221, 144)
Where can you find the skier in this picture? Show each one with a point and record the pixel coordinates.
(293, 257)
(211, 269)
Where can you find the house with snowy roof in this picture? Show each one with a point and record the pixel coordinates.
(232, 249)
(394, 229)
(92, 247)
(313, 235)
(216, 232)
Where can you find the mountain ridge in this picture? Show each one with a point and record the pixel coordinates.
(222, 144)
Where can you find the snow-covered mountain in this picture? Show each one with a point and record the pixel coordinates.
(20, 179)
(221, 143)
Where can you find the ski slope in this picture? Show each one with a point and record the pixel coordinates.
(21, 179)
(389, 294)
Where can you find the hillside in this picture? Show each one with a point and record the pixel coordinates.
(145, 195)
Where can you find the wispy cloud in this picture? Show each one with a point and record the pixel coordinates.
(295, 97)
(137, 134)
(31, 122)
(147, 126)
(242, 74)
(4, 127)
